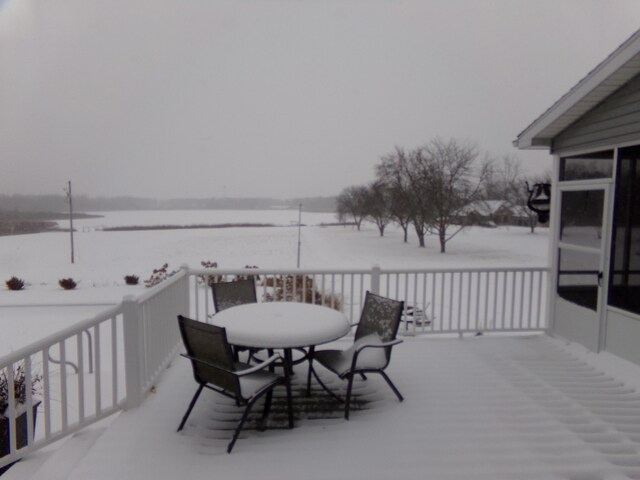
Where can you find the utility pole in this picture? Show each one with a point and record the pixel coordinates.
(299, 227)
(70, 217)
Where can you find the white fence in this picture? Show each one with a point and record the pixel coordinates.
(110, 362)
(92, 369)
(451, 300)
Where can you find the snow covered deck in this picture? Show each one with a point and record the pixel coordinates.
(498, 407)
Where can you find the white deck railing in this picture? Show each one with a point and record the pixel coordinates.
(451, 300)
(130, 345)
(110, 362)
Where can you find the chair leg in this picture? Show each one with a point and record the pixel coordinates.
(289, 402)
(265, 410)
(393, 387)
(239, 427)
(310, 358)
(348, 400)
(193, 402)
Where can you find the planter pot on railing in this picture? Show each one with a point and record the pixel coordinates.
(21, 434)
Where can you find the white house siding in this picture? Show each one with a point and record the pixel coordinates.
(623, 334)
(613, 122)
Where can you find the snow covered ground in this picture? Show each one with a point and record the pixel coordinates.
(486, 408)
(102, 259)
(500, 407)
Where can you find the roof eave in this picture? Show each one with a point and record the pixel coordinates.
(622, 64)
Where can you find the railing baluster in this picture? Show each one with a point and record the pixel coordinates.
(64, 404)
(80, 347)
(451, 326)
(520, 322)
(441, 275)
(468, 277)
(29, 398)
(433, 301)
(114, 361)
(494, 315)
(539, 303)
(98, 376)
(476, 322)
(333, 290)
(46, 392)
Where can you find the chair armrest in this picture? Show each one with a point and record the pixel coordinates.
(256, 368)
(240, 373)
(390, 343)
(203, 362)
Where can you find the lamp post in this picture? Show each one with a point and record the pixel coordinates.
(539, 200)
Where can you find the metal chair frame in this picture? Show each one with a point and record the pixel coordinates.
(364, 327)
(225, 380)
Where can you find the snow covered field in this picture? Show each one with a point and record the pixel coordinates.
(102, 259)
(487, 407)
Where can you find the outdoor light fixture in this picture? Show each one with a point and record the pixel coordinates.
(539, 200)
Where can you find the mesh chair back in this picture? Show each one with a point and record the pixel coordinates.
(379, 315)
(208, 343)
(230, 294)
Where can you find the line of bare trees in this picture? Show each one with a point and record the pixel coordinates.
(430, 188)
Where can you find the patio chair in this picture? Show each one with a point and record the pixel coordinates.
(371, 351)
(415, 316)
(214, 368)
(231, 294)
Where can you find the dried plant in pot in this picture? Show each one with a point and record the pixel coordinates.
(158, 276)
(21, 388)
(67, 283)
(14, 283)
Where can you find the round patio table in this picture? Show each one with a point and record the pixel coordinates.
(281, 325)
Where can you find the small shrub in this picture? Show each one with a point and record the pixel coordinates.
(299, 288)
(158, 276)
(210, 279)
(248, 277)
(19, 387)
(67, 283)
(14, 283)
(131, 279)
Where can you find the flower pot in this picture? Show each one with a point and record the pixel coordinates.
(21, 434)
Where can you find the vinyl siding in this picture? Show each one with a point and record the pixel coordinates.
(614, 121)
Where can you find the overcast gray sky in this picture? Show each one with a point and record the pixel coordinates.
(280, 98)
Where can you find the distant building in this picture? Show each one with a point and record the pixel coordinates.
(491, 213)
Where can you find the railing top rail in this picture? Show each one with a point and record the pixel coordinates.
(463, 270)
(274, 271)
(267, 271)
(156, 290)
(59, 336)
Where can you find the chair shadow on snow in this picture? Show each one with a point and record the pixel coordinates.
(214, 420)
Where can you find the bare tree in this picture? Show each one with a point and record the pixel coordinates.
(504, 182)
(377, 205)
(352, 202)
(403, 171)
(450, 179)
(389, 173)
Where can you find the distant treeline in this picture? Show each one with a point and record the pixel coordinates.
(82, 203)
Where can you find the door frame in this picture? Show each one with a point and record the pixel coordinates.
(604, 251)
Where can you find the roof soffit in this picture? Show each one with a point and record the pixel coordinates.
(610, 75)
